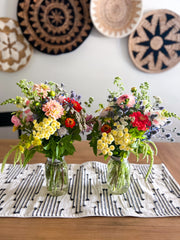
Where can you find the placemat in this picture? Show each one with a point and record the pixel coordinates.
(23, 193)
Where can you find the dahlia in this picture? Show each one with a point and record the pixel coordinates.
(140, 121)
(53, 109)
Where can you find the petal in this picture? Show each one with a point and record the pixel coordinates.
(5, 54)
(3, 37)
(14, 54)
(12, 38)
(2, 46)
(18, 46)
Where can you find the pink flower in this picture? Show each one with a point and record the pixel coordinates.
(128, 100)
(53, 109)
(27, 102)
(28, 115)
(42, 89)
(61, 99)
(89, 123)
(16, 121)
(27, 111)
(105, 111)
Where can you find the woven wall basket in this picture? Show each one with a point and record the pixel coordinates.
(54, 26)
(15, 51)
(155, 45)
(116, 18)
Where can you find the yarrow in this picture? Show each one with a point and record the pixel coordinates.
(50, 118)
(128, 123)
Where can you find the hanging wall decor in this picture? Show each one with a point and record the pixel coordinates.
(155, 45)
(116, 18)
(15, 51)
(54, 26)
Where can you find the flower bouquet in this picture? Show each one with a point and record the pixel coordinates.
(126, 126)
(50, 120)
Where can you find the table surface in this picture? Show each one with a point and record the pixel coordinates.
(95, 227)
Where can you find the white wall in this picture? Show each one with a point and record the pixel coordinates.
(91, 68)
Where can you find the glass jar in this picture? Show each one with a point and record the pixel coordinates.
(56, 176)
(118, 175)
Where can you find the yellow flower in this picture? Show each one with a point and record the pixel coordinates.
(14, 128)
(112, 147)
(27, 145)
(109, 141)
(103, 139)
(104, 151)
(53, 124)
(104, 134)
(120, 133)
(114, 132)
(99, 147)
(36, 125)
(103, 144)
(99, 141)
(126, 135)
(110, 154)
(21, 148)
(126, 130)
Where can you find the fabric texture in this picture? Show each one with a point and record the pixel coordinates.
(23, 193)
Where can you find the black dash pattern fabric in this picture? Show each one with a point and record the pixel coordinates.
(23, 193)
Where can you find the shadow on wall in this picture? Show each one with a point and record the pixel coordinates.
(10, 9)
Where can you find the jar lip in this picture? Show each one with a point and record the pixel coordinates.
(118, 158)
(55, 161)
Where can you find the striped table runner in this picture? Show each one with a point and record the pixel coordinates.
(23, 193)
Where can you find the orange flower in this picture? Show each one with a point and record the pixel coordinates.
(69, 122)
(106, 128)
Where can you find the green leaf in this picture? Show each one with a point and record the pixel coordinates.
(28, 154)
(7, 155)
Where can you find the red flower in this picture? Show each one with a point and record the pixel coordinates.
(76, 105)
(140, 121)
(69, 122)
(106, 128)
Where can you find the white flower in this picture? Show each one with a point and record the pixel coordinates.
(157, 99)
(145, 102)
(159, 120)
(62, 131)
